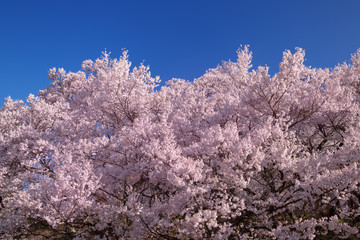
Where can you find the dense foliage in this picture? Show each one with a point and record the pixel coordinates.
(235, 154)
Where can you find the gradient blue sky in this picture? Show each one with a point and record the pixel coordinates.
(179, 39)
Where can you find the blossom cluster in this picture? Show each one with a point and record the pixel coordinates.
(105, 153)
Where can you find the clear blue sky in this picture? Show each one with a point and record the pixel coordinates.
(176, 38)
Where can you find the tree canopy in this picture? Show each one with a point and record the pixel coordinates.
(235, 154)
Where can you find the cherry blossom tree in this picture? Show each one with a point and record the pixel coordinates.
(235, 154)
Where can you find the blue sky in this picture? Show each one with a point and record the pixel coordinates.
(179, 39)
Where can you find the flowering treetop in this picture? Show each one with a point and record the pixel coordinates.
(235, 154)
